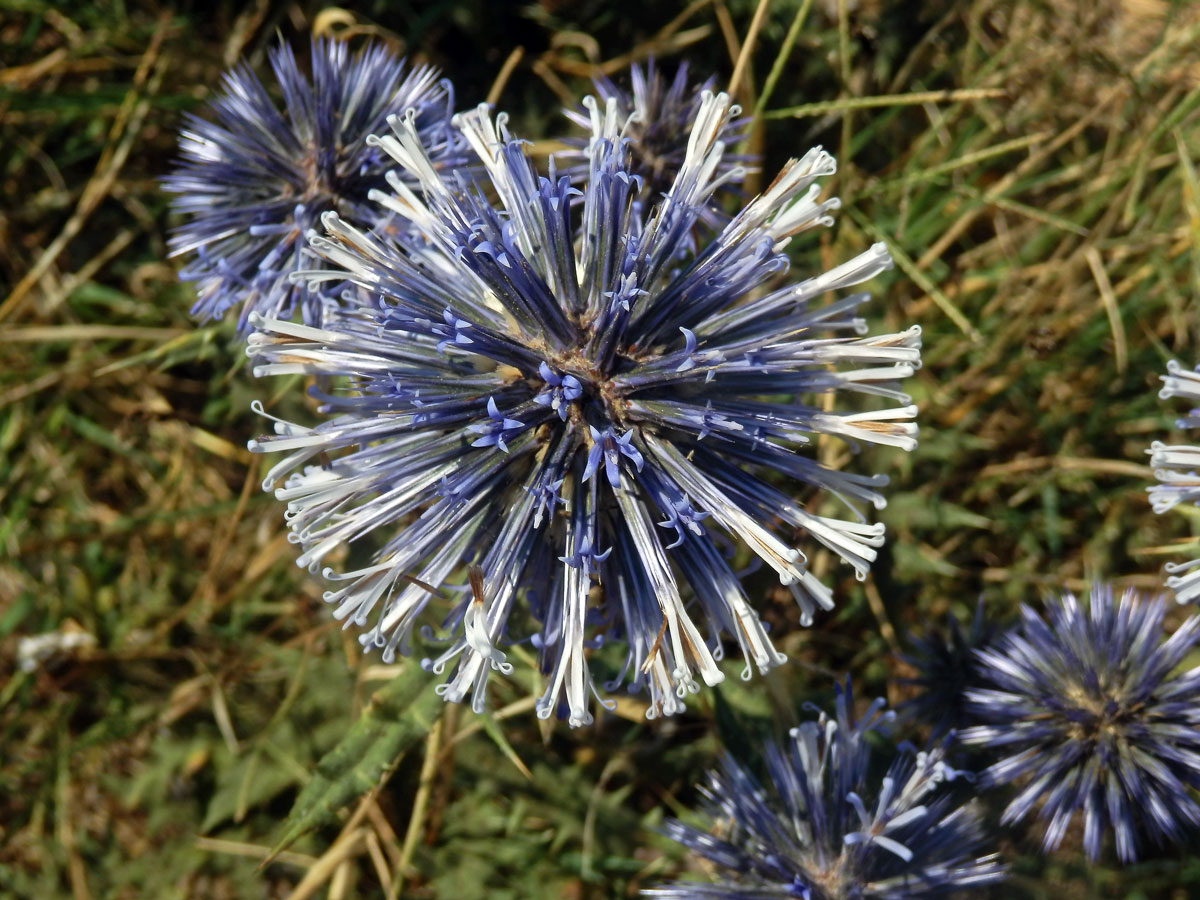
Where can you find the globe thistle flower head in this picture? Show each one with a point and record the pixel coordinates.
(824, 828)
(254, 178)
(944, 661)
(546, 389)
(1088, 715)
(656, 116)
(1175, 467)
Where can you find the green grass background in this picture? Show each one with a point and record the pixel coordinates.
(1030, 163)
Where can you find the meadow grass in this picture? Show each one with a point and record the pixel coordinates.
(1030, 164)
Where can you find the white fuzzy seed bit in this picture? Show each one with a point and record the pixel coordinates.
(35, 650)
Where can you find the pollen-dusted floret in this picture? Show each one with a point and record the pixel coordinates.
(1086, 709)
(549, 388)
(825, 827)
(253, 178)
(1177, 468)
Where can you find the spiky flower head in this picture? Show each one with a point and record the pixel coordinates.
(825, 827)
(944, 664)
(1085, 708)
(656, 116)
(547, 390)
(1175, 467)
(254, 178)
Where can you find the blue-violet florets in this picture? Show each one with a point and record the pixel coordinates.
(1090, 718)
(945, 665)
(824, 827)
(656, 117)
(253, 180)
(545, 388)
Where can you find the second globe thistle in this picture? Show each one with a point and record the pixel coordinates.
(547, 389)
(255, 178)
(1086, 710)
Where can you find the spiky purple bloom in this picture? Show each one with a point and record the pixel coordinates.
(1090, 718)
(825, 827)
(545, 388)
(255, 178)
(656, 116)
(945, 666)
(1175, 467)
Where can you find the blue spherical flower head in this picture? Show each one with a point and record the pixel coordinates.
(1090, 718)
(1176, 468)
(945, 666)
(546, 389)
(825, 828)
(656, 116)
(254, 178)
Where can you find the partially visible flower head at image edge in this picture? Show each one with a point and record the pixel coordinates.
(1175, 466)
(825, 825)
(552, 387)
(253, 178)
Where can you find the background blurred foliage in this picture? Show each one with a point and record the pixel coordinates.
(1045, 216)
